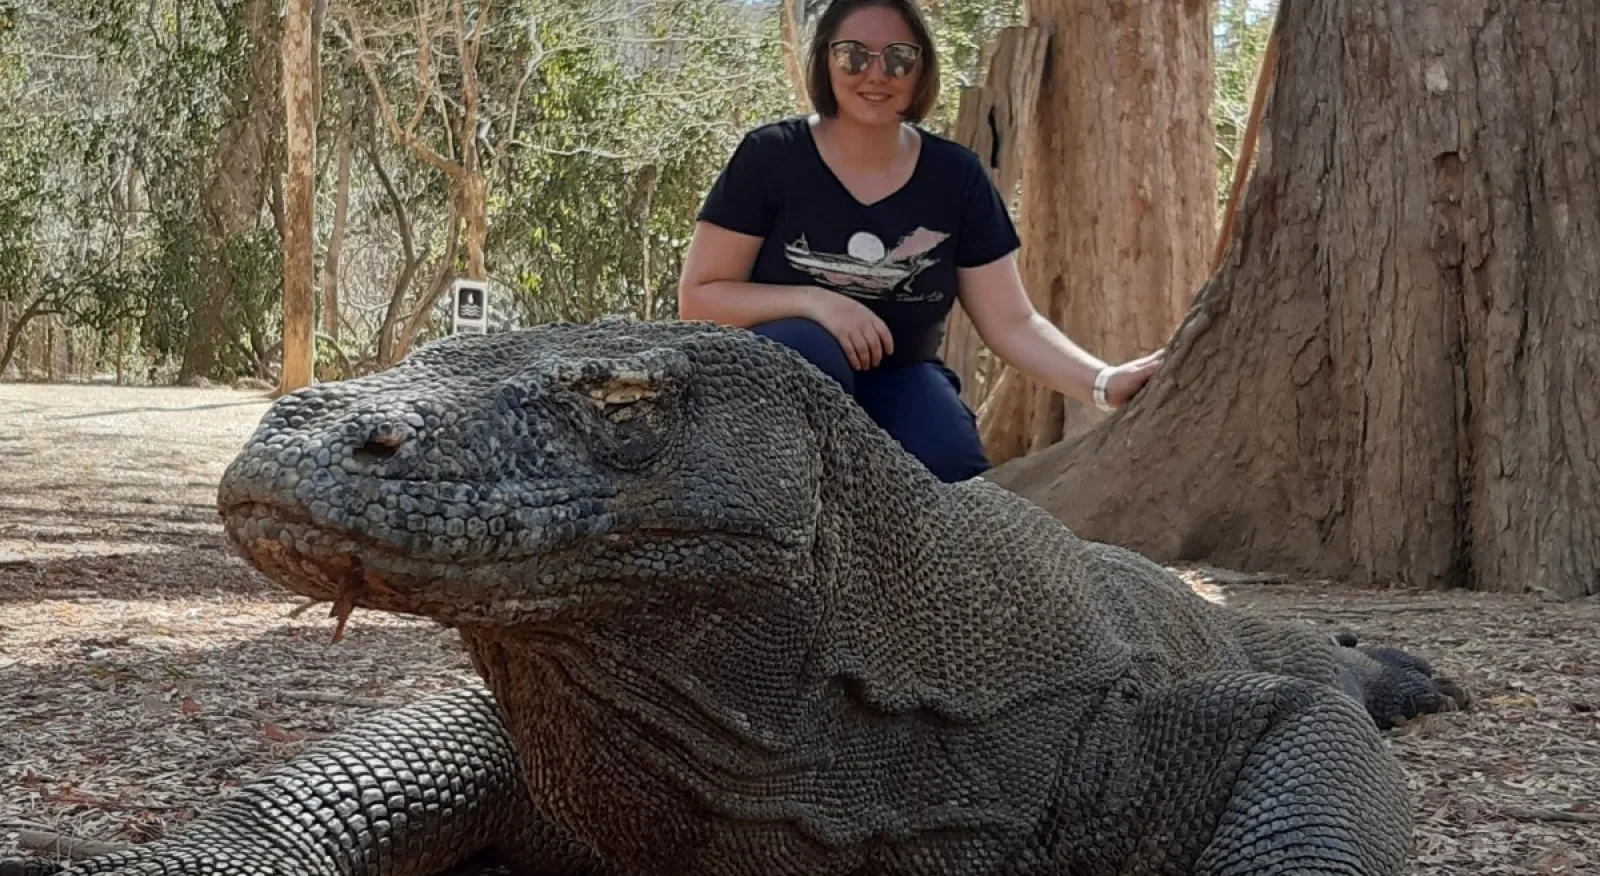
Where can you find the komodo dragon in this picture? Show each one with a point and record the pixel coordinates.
(731, 629)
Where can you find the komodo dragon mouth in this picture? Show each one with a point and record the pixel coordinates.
(532, 571)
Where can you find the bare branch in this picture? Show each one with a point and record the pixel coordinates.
(402, 218)
(65, 846)
(405, 136)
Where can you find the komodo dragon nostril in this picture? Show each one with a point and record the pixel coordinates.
(378, 448)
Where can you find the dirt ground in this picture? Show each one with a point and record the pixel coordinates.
(145, 670)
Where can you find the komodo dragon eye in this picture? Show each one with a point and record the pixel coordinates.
(628, 412)
(622, 402)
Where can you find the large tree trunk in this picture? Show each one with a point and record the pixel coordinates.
(1392, 377)
(300, 137)
(1118, 209)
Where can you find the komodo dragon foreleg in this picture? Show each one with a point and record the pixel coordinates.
(428, 788)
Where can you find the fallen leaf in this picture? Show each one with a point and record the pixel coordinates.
(278, 734)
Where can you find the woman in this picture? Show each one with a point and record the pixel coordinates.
(848, 235)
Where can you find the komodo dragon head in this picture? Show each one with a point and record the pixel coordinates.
(503, 478)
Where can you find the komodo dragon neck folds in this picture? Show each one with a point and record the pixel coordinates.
(727, 627)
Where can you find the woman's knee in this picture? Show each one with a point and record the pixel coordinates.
(814, 343)
(920, 407)
(952, 454)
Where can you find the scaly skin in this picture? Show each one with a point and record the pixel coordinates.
(409, 792)
(735, 630)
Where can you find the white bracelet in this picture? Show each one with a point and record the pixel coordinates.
(1100, 381)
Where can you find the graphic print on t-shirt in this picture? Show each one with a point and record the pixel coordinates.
(866, 270)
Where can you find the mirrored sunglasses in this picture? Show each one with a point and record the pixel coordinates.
(851, 57)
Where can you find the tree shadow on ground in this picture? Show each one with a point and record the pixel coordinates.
(200, 566)
(160, 409)
(125, 718)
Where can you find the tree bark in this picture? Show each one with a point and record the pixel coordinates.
(992, 120)
(1118, 208)
(299, 298)
(790, 30)
(1391, 378)
(470, 186)
(473, 207)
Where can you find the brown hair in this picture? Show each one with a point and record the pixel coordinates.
(819, 85)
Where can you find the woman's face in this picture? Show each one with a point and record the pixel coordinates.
(874, 89)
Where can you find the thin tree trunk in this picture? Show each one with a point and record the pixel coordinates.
(341, 214)
(1243, 162)
(637, 213)
(1118, 210)
(1392, 376)
(299, 192)
(472, 207)
(436, 289)
(411, 261)
(34, 309)
(789, 34)
(50, 350)
(470, 186)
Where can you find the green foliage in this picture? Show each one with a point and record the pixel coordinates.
(621, 141)
(23, 151)
(962, 28)
(122, 106)
(1240, 33)
(22, 162)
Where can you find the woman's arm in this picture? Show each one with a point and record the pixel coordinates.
(714, 286)
(998, 305)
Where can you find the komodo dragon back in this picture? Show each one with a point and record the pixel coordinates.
(727, 626)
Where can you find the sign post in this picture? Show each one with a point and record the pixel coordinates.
(469, 307)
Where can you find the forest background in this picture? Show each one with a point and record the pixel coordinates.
(143, 164)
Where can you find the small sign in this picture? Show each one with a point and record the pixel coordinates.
(469, 308)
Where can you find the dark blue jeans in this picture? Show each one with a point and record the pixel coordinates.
(919, 404)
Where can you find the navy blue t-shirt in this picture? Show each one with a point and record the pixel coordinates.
(898, 255)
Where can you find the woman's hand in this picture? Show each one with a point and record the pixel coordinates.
(864, 337)
(1131, 376)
